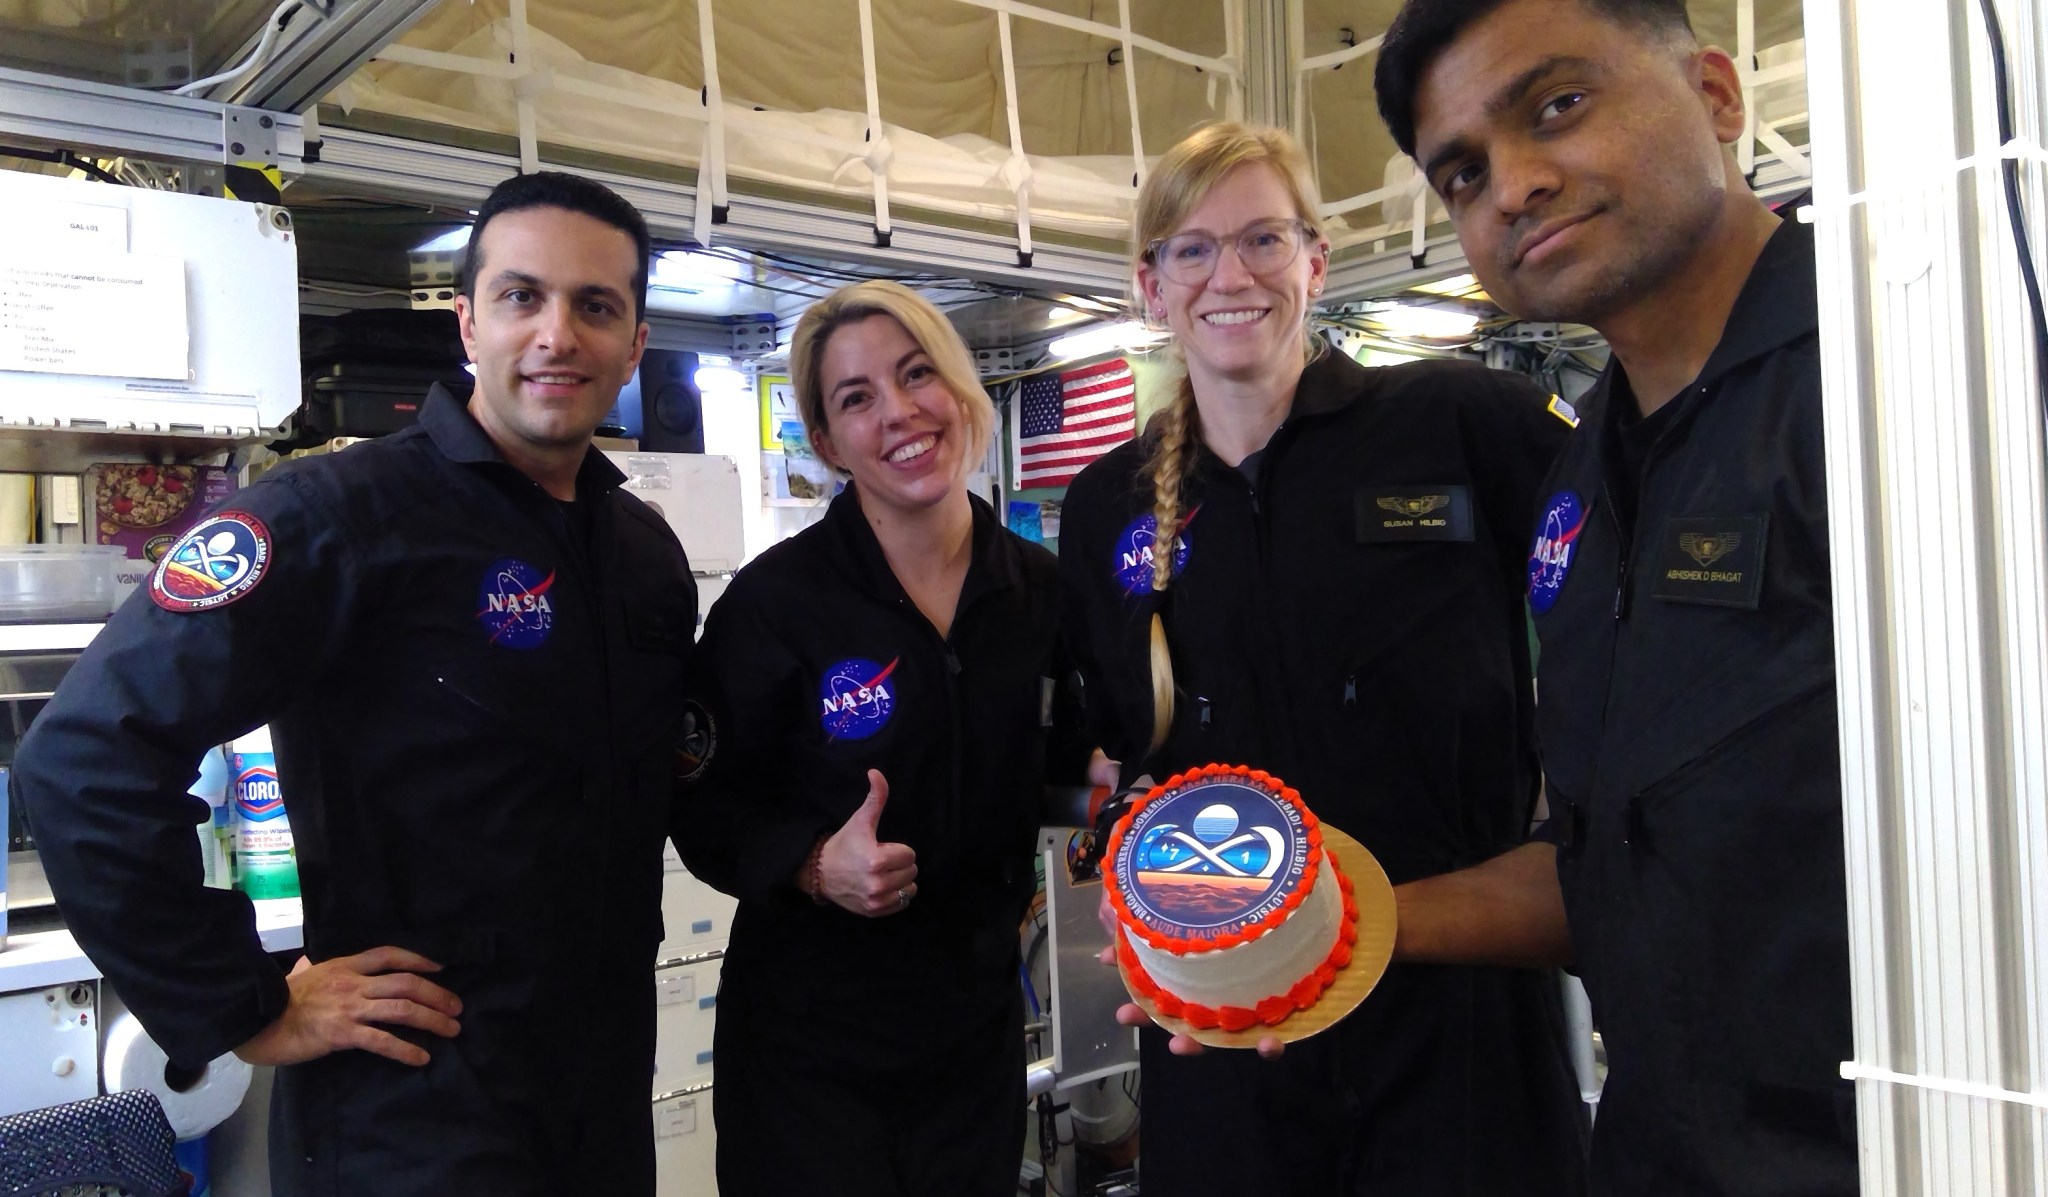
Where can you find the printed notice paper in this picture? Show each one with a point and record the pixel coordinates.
(116, 315)
(54, 227)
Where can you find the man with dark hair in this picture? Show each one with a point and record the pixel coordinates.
(465, 639)
(1692, 868)
(570, 193)
(1421, 31)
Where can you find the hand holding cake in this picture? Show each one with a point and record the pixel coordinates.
(1234, 923)
(1131, 1014)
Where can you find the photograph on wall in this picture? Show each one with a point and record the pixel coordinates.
(778, 410)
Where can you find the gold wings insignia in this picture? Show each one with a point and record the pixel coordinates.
(1708, 547)
(1416, 507)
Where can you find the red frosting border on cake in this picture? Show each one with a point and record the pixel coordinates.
(1182, 945)
(1270, 1011)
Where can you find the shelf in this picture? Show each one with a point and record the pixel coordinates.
(39, 959)
(35, 449)
(47, 637)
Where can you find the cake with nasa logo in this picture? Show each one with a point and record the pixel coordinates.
(1232, 912)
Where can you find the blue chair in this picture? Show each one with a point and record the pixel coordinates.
(120, 1143)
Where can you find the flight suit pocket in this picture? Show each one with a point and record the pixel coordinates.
(1736, 865)
(1588, 904)
(659, 627)
(504, 712)
(304, 1147)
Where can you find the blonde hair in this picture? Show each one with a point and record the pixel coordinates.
(926, 325)
(1179, 183)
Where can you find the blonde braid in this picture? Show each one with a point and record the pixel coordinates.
(1176, 429)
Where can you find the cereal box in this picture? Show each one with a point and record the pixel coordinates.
(145, 508)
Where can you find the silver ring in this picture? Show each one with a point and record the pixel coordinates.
(903, 899)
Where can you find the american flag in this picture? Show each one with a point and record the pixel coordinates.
(1067, 420)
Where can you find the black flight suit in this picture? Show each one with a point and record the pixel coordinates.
(1688, 732)
(877, 1057)
(1351, 619)
(471, 705)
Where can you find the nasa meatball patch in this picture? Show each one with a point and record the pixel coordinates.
(1557, 539)
(516, 605)
(217, 562)
(856, 698)
(1135, 549)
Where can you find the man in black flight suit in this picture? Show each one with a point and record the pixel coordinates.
(1692, 868)
(465, 638)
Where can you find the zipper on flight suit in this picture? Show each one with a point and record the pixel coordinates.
(585, 560)
(1625, 545)
(1282, 743)
(1626, 536)
(949, 814)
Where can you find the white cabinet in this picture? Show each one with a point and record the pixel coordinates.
(685, 1009)
(685, 1146)
(49, 1047)
(698, 921)
(694, 917)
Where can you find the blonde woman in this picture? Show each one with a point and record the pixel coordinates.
(878, 699)
(1304, 622)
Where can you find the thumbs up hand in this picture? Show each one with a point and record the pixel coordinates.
(861, 874)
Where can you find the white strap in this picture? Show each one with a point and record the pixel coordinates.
(1745, 72)
(1296, 38)
(522, 58)
(878, 151)
(1017, 171)
(1853, 1071)
(2019, 148)
(1785, 150)
(1131, 91)
(461, 64)
(1046, 16)
(1337, 58)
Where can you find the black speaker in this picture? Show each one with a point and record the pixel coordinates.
(671, 408)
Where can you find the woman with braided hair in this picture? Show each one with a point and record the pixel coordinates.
(1311, 567)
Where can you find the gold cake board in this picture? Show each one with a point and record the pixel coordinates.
(1374, 897)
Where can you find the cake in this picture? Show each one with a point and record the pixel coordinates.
(1231, 913)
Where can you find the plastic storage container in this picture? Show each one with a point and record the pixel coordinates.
(47, 583)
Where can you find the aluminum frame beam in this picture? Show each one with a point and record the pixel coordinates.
(53, 112)
(375, 165)
(315, 54)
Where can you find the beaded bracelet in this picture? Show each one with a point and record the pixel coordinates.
(817, 872)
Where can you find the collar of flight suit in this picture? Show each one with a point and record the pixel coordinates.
(1778, 304)
(1330, 383)
(459, 438)
(854, 550)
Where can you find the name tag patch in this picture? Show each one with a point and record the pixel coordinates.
(1397, 513)
(1718, 560)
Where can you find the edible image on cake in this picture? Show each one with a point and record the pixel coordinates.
(1213, 858)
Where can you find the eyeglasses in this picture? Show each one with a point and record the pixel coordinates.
(1263, 247)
